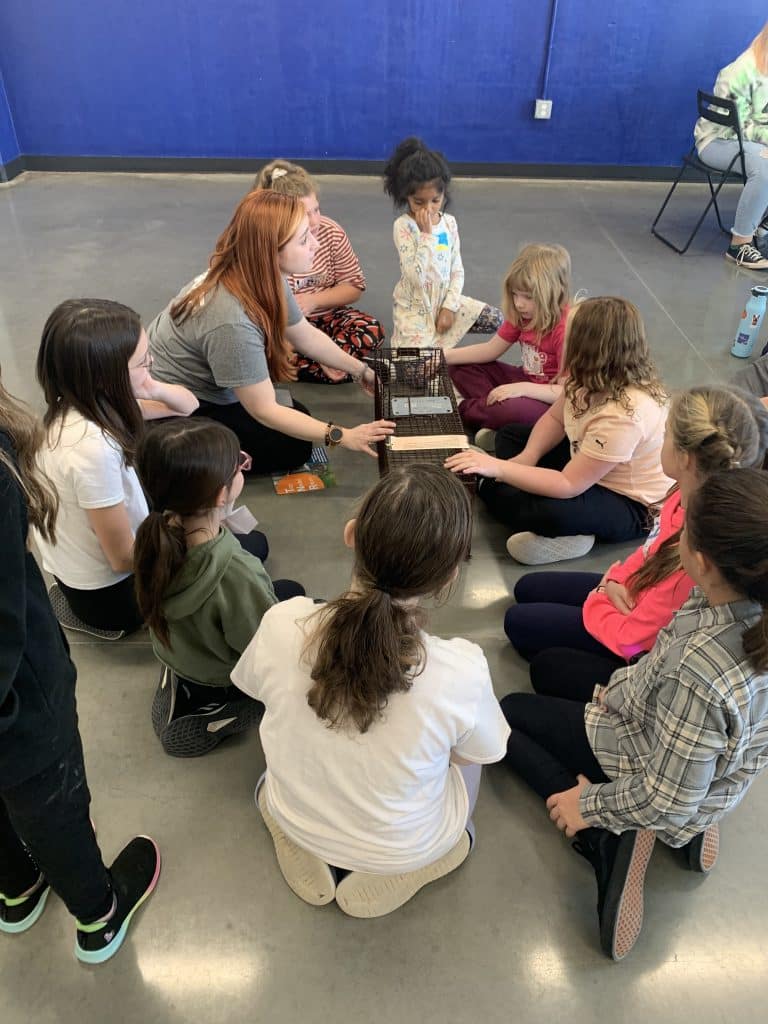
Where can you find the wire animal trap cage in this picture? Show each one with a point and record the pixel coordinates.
(414, 390)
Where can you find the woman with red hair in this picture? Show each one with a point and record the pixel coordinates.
(228, 336)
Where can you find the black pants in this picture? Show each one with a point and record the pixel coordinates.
(106, 608)
(548, 745)
(269, 449)
(609, 516)
(546, 626)
(45, 827)
(115, 607)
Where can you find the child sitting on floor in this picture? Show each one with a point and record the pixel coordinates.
(200, 589)
(672, 743)
(325, 295)
(591, 466)
(374, 732)
(537, 290)
(578, 628)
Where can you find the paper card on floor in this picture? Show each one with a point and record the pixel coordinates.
(428, 441)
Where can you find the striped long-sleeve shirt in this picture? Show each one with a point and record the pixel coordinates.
(335, 262)
(684, 732)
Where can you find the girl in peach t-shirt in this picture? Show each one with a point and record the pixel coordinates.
(591, 466)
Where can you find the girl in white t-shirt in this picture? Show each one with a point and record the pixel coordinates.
(591, 466)
(94, 368)
(374, 731)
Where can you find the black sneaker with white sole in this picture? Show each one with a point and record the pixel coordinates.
(747, 256)
(69, 620)
(134, 876)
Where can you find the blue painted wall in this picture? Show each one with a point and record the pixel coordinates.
(9, 144)
(348, 78)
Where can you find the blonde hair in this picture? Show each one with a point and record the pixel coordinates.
(606, 353)
(291, 180)
(544, 273)
(759, 48)
(720, 428)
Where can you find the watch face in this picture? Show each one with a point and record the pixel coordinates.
(335, 435)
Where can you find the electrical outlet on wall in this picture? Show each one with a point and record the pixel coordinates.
(543, 110)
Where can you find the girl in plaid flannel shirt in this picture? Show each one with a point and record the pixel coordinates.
(672, 743)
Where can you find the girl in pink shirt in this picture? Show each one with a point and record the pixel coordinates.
(537, 290)
(577, 628)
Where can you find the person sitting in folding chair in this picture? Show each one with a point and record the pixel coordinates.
(746, 82)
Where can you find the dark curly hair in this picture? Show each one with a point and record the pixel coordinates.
(411, 166)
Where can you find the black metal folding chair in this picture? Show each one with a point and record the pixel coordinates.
(723, 112)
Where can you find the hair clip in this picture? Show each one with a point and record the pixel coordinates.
(279, 172)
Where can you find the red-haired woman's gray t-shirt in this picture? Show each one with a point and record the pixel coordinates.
(216, 349)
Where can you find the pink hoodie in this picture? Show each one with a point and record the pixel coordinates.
(629, 635)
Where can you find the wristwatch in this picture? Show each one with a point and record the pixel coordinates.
(333, 435)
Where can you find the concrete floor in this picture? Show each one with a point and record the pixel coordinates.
(513, 933)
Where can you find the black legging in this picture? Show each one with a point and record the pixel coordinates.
(611, 517)
(269, 449)
(572, 674)
(548, 745)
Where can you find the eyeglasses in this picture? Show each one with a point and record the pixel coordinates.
(244, 462)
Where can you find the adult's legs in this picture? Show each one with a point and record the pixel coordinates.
(269, 449)
(357, 333)
(572, 674)
(476, 380)
(753, 202)
(45, 827)
(548, 745)
(108, 608)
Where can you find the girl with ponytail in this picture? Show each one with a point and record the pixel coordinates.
(579, 627)
(374, 731)
(201, 591)
(672, 743)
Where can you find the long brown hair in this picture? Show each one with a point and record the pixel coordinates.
(606, 354)
(413, 530)
(725, 521)
(182, 465)
(720, 428)
(82, 364)
(26, 435)
(245, 262)
(544, 273)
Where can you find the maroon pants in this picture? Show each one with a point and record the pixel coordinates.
(475, 380)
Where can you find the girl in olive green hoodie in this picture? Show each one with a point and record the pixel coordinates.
(200, 589)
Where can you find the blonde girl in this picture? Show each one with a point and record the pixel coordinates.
(536, 294)
(374, 731)
(591, 466)
(327, 293)
(577, 628)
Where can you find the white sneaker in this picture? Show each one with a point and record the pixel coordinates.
(531, 549)
(361, 894)
(485, 438)
(310, 878)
